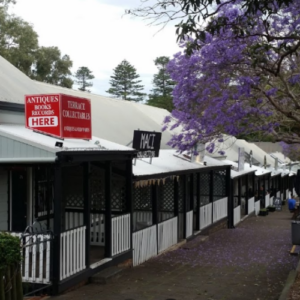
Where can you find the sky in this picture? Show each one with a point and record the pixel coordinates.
(96, 34)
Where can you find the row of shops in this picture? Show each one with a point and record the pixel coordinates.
(80, 205)
(89, 205)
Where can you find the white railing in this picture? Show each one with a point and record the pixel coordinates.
(237, 215)
(167, 234)
(72, 252)
(120, 234)
(250, 205)
(35, 266)
(73, 219)
(287, 194)
(189, 224)
(271, 201)
(205, 215)
(278, 194)
(257, 207)
(220, 209)
(76, 219)
(267, 200)
(281, 196)
(144, 243)
(97, 230)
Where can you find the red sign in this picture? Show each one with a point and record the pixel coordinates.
(59, 115)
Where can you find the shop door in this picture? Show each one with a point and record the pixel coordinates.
(18, 200)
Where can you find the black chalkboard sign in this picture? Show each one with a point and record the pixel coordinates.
(147, 143)
(277, 203)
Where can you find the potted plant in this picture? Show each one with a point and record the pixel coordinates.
(263, 212)
(271, 208)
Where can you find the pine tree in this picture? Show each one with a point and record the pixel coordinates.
(163, 86)
(84, 74)
(125, 84)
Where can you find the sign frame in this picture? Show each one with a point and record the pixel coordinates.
(147, 143)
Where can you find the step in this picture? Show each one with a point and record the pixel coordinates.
(107, 275)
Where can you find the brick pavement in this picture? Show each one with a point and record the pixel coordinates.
(250, 262)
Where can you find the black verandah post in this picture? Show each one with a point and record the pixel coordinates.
(87, 210)
(198, 203)
(57, 227)
(176, 203)
(129, 195)
(108, 221)
(155, 210)
(247, 195)
(229, 187)
(184, 203)
(211, 194)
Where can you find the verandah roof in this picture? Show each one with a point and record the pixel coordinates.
(19, 144)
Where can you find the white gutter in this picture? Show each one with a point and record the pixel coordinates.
(28, 160)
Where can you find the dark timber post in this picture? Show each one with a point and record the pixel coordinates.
(211, 194)
(230, 198)
(48, 174)
(129, 195)
(154, 204)
(198, 203)
(155, 210)
(176, 204)
(192, 176)
(57, 227)
(87, 210)
(247, 195)
(184, 203)
(108, 221)
(240, 191)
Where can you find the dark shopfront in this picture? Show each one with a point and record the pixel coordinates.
(80, 206)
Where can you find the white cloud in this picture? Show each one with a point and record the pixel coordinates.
(96, 34)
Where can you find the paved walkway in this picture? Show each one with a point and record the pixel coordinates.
(250, 262)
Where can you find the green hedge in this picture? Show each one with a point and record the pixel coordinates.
(10, 261)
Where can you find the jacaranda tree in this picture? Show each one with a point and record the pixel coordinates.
(242, 78)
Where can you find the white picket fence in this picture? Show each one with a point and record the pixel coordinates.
(72, 252)
(35, 253)
(220, 209)
(120, 234)
(144, 243)
(97, 233)
(237, 215)
(271, 201)
(205, 215)
(250, 205)
(189, 224)
(267, 200)
(167, 234)
(257, 207)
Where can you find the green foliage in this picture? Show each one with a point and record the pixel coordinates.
(19, 45)
(125, 84)
(9, 250)
(84, 74)
(18, 41)
(161, 95)
(50, 67)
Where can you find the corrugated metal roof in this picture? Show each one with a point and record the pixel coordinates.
(14, 84)
(18, 142)
(112, 119)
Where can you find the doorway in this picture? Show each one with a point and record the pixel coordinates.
(18, 200)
